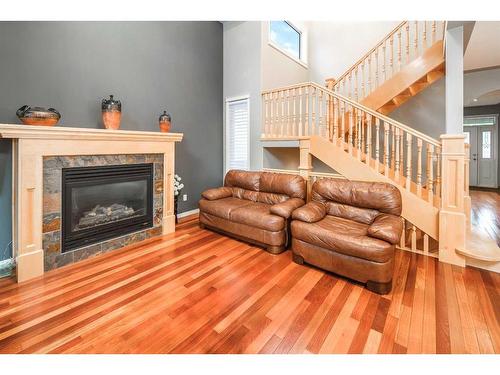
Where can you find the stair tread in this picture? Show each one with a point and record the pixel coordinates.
(479, 245)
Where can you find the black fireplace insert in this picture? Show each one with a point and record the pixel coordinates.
(99, 203)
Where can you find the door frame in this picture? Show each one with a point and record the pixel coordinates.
(494, 138)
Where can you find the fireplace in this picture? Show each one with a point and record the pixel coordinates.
(99, 203)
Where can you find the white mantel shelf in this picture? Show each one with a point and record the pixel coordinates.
(15, 131)
(32, 143)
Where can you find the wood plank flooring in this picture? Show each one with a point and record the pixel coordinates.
(196, 291)
(485, 212)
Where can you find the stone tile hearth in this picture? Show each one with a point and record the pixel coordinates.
(52, 197)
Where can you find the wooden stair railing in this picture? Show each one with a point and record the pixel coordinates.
(397, 49)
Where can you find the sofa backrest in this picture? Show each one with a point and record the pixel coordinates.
(265, 187)
(357, 200)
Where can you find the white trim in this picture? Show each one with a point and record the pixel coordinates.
(188, 213)
(226, 121)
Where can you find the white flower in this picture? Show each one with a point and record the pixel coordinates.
(181, 186)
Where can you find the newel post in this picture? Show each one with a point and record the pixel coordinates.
(452, 219)
(305, 165)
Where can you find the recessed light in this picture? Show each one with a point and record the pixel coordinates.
(474, 100)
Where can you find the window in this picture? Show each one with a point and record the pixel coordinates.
(486, 147)
(237, 133)
(286, 37)
(480, 120)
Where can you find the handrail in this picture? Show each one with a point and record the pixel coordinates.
(359, 106)
(366, 55)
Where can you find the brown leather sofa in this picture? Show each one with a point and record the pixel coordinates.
(350, 228)
(254, 206)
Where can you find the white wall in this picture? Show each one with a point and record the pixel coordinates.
(243, 74)
(335, 46)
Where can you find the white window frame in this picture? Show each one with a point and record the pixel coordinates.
(226, 129)
(302, 60)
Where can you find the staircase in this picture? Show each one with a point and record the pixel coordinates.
(345, 126)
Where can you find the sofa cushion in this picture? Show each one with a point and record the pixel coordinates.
(293, 186)
(258, 215)
(343, 236)
(379, 196)
(222, 207)
(243, 179)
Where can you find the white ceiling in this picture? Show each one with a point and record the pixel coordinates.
(483, 49)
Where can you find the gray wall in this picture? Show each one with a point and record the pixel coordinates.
(487, 110)
(5, 199)
(426, 111)
(149, 66)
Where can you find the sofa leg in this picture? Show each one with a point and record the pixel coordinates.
(297, 258)
(275, 249)
(379, 288)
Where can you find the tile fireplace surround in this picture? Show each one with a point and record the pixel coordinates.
(40, 153)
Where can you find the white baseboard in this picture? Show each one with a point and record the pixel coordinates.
(187, 213)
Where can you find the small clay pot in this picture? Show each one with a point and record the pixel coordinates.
(165, 122)
(38, 116)
(111, 113)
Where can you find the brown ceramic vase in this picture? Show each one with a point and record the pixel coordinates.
(165, 122)
(38, 116)
(111, 113)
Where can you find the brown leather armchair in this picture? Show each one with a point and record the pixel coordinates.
(350, 228)
(254, 206)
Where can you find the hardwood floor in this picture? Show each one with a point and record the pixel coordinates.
(198, 292)
(486, 211)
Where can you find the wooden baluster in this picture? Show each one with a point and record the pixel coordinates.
(350, 85)
(264, 115)
(416, 39)
(335, 119)
(391, 44)
(437, 187)
(343, 87)
(393, 146)
(408, 161)
(407, 42)
(396, 162)
(402, 240)
(299, 123)
(384, 63)
(376, 68)
(386, 149)
(356, 84)
(279, 125)
(368, 139)
(413, 238)
(282, 125)
(296, 130)
(271, 114)
(342, 119)
(425, 35)
(307, 123)
(430, 173)
(377, 144)
(321, 122)
(313, 110)
(401, 152)
(399, 50)
(369, 83)
(433, 36)
(419, 167)
(287, 113)
(426, 243)
(359, 136)
(351, 110)
(363, 94)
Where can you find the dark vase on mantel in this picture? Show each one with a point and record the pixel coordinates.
(111, 113)
(38, 116)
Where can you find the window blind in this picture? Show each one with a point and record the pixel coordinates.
(237, 134)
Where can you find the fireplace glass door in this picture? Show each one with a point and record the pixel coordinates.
(100, 203)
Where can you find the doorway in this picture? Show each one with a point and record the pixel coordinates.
(481, 134)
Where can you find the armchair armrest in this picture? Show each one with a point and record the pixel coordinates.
(386, 227)
(217, 193)
(310, 213)
(285, 209)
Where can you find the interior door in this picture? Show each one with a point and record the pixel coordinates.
(483, 155)
(471, 138)
(486, 158)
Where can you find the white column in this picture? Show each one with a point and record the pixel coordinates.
(454, 80)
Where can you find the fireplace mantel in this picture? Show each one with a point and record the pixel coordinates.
(32, 143)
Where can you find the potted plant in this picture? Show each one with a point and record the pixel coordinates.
(178, 186)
